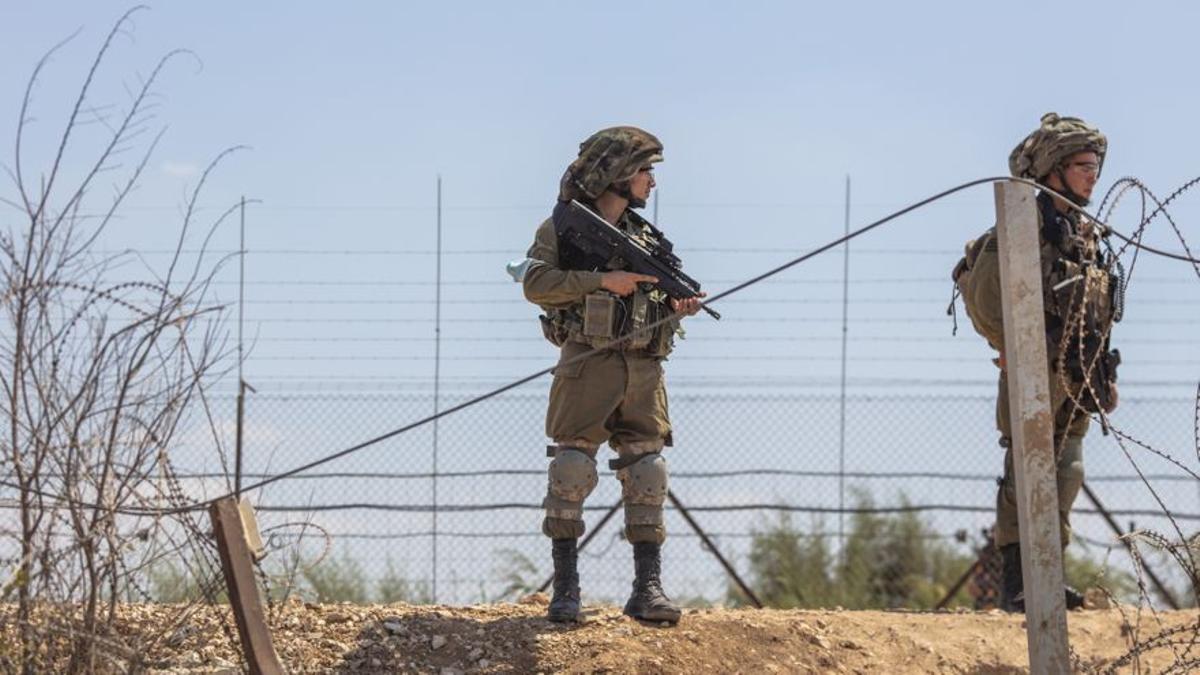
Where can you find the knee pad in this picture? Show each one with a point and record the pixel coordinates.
(644, 489)
(572, 477)
(1070, 482)
(1070, 462)
(1072, 448)
(1071, 475)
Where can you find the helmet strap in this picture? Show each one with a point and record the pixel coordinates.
(1071, 195)
(623, 189)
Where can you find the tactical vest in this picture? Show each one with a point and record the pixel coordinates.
(1082, 294)
(603, 317)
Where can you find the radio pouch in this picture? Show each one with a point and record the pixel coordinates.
(599, 315)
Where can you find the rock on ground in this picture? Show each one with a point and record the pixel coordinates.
(514, 638)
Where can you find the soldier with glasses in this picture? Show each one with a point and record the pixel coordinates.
(1066, 155)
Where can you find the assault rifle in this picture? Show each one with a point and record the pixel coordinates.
(594, 242)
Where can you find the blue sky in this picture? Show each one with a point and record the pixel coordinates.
(353, 110)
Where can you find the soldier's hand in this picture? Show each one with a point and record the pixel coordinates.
(624, 283)
(687, 306)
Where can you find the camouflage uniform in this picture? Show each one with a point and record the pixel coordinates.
(982, 297)
(1079, 309)
(616, 395)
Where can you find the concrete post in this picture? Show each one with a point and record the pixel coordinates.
(1033, 427)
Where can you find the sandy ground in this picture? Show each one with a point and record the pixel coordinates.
(514, 638)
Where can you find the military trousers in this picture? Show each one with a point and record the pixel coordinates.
(617, 398)
(1070, 426)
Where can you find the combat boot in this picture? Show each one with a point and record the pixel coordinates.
(1074, 598)
(1012, 596)
(648, 602)
(564, 605)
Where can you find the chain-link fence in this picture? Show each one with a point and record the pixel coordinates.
(452, 513)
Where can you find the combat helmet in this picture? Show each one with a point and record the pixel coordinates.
(1056, 139)
(608, 157)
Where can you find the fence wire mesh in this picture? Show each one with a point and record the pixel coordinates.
(743, 464)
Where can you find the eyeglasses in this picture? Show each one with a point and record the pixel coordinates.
(1087, 168)
(646, 169)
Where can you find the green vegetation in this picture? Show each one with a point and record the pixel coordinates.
(175, 583)
(335, 580)
(394, 587)
(888, 561)
(790, 569)
(1083, 572)
(343, 580)
(519, 574)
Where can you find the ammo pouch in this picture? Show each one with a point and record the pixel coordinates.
(662, 339)
(554, 331)
(591, 323)
(607, 317)
(640, 315)
(600, 316)
(599, 320)
(1063, 290)
(646, 308)
(1079, 317)
(1094, 383)
(1106, 372)
(603, 317)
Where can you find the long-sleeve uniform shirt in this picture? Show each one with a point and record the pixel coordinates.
(615, 395)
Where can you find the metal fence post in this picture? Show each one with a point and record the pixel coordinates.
(1032, 426)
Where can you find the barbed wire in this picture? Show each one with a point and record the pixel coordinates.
(1076, 324)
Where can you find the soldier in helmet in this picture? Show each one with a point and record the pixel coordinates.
(616, 395)
(1064, 154)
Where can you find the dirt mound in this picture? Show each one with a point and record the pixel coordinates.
(514, 638)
